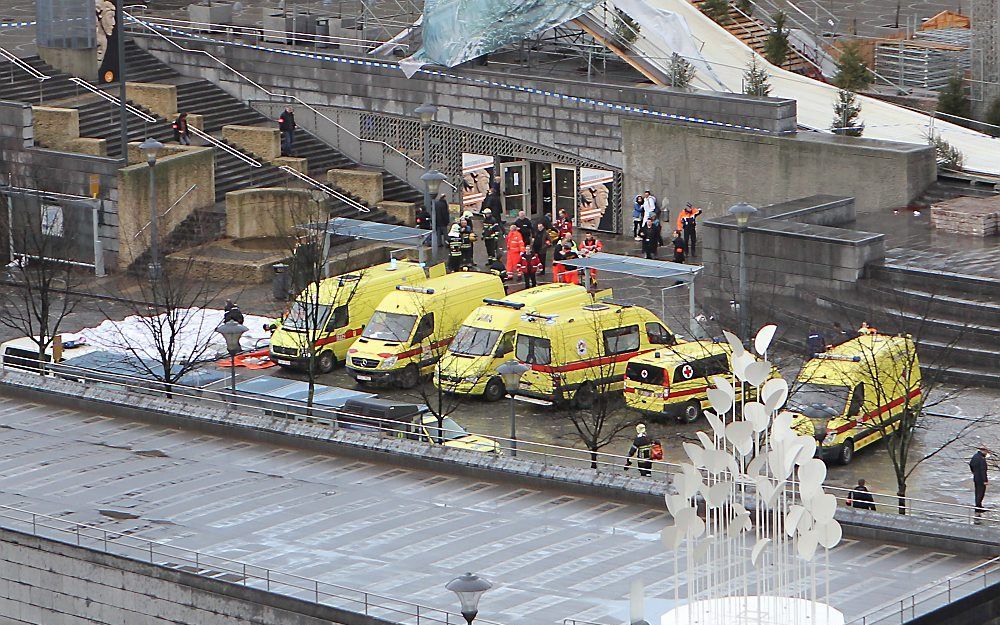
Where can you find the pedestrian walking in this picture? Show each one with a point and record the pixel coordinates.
(442, 214)
(637, 216)
(642, 451)
(687, 223)
(860, 498)
(524, 227)
(491, 235)
(540, 244)
(455, 247)
(649, 237)
(287, 126)
(182, 134)
(680, 247)
(979, 476)
(515, 247)
(528, 268)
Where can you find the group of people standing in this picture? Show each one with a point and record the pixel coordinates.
(647, 228)
(528, 246)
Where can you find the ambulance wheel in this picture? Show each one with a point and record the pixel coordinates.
(584, 397)
(691, 412)
(846, 453)
(495, 390)
(409, 376)
(326, 362)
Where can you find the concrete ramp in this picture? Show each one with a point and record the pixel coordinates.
(728, 57)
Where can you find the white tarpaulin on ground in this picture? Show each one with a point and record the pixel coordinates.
(196, 337)
(456, 31)
(672, 31)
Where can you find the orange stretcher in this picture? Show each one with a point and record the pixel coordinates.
(258, 359)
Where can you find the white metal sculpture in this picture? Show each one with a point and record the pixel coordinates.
(751, 541)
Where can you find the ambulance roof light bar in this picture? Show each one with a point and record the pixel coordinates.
(502, 302)
(414, 289)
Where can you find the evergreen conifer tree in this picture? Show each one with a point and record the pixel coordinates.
(681, 72)
(776, 47)
(845, 115)
(756, 79)
(952, 99)
(852, 73)
(718, 10)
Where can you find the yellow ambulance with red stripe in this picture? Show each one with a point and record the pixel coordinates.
(584, 350)
(336, 314)
(413, 325)
(673, 381)
(856, 394)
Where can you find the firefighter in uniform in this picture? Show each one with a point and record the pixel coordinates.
(491, 235)
(455, 248)
(642, 451)
(467, 237)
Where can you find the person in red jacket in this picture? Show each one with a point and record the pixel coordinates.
(591, 245)
(528, 267)
(564, 224)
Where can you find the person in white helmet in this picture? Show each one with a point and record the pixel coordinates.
(642, 451)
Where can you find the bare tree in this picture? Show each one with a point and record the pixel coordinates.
(41, 283)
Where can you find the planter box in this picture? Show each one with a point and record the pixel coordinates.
(218, 13)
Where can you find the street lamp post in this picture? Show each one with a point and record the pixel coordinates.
(232, 331)
(151, 149)
(743, 212)
(511, 372)
(427, 113)
(432, 182)
(469, 588)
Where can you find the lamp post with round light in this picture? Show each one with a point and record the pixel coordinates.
(432, 182)
(151, 149)
(511, 372)
(469, 588)
(232, 331)
(743, 212)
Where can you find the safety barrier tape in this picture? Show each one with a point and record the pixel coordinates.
(16, 24)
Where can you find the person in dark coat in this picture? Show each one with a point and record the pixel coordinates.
(233, 312)
(524, 226)
(492, 202)
(642, 451)
(860, 498)
(540, 244)
(182, 134)
(649, 237)
(442, 215)
(287, 126)
(491, 234)
(423, 219)
(979, 476)
(680, 247)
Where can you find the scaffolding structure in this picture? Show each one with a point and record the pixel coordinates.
(985, 51)
(920, 64)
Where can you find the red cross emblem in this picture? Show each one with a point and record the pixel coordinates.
(687, 371)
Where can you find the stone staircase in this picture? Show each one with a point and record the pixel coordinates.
(18, 86)
(947, 188)
(753, 32)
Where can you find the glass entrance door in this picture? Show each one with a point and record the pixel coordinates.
(516, 187)
(564, 190)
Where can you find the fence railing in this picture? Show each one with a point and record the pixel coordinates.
(282, 411)
(235, 571)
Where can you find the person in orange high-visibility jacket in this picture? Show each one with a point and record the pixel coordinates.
(688, 225)
(515, 247)
(591, 245)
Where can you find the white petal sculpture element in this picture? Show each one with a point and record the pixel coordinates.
(755, 466)
(740, 364)
(688, 522)
(740, 434)
(757, 415)
(717, 494)
(717, 461)
(756, 372)
(774, 393)
(671, 538)
(808, 449)
(721, 401)
(763, 339)
(823, 507)
(734, 342)
(722, 383)
(695, 452)
(717, 427)
(758, 549)
(792, 519)
(706, 442)
(807, 544)
(692, 481)
(676, 502)
(828, 534)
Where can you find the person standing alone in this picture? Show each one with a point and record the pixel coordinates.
(286, 124)
(642, 451)
(687, 224)
(979, 477)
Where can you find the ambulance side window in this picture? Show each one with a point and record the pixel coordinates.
(338, 319)
(505, 345)
(658, 335)
(425, 328)
(716, 365)
(621, 340)
(857, 400)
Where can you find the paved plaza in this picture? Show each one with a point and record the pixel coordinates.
(402, 533)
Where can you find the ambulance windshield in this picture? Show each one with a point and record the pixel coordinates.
(471, 341)
(821, 399)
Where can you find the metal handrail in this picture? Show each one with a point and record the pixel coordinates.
(166, 212)
(909, 603)
(545, 452)
(96, 538)
(325, 189)
(15, 60)
(149, 119)
(244, 77)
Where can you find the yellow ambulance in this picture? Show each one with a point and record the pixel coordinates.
(486, 338)
(582, 351)
(856, 393)
(673, 381)
(336, 315)
(413, 325)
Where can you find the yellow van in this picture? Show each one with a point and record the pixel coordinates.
(486, 338)
(413, 325)
(855, 393)
(673, 381)
(343, 307)
(583, 350)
